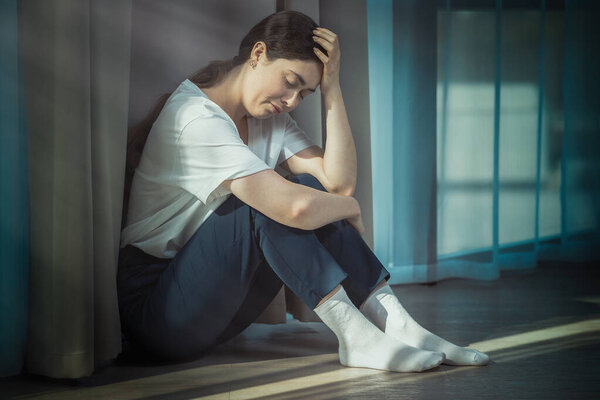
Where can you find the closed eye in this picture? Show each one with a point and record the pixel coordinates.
(291, 85)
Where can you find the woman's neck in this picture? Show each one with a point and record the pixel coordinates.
(227, 95)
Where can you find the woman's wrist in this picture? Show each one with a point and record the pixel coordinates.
(324, 208)
(355, 205)
(331, 94)
(349, 206)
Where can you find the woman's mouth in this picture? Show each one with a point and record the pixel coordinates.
(275, 109)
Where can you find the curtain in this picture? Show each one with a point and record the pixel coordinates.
(580, 192)
(75, 72)
(485, 142)
(13, 197)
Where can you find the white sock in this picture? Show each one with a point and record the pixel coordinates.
(385, 311)
(362, 344)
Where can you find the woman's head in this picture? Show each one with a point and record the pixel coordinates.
(271, 86)
(278, 63)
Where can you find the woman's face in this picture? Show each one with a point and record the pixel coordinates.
(279, 86)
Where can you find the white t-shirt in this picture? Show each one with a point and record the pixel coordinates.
(191, 149)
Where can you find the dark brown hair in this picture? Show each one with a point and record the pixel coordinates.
(287, 35)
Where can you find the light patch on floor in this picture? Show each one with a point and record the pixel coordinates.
(589, 299)
(539, 335)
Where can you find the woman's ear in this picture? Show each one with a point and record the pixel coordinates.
(259, 51)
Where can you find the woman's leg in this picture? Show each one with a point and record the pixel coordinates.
(201, 290)
(186, 304)
(348, 248)
(364, 271)
(261, 293)
(337, 244)
(135, 288)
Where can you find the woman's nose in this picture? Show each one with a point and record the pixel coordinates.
(292, 102)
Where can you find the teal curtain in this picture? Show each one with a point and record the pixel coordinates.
(484, 135)
(581, 141)
(13, 197)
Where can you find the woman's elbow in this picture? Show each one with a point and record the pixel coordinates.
(347, 190)
(300, 217)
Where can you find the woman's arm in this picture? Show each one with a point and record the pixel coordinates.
(292, 204)
(339, 159)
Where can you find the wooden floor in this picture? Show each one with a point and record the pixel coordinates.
(541, 329)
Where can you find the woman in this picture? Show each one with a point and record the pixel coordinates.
(213, 231)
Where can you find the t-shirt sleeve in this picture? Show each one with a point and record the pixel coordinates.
(294, 139)
(210, 152)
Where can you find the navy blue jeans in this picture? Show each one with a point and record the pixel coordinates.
(228, 273)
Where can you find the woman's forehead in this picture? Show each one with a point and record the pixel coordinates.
(310, 71)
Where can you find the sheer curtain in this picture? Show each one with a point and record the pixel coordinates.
(74, 69)
(485, 123)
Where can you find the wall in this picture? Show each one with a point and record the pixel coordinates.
(172, 40)
(348, 19)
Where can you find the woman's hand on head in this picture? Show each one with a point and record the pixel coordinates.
(331, 61)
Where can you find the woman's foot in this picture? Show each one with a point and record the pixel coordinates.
(385, 311)
(362, 344)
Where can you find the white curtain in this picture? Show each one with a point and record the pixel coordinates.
(76, 76)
